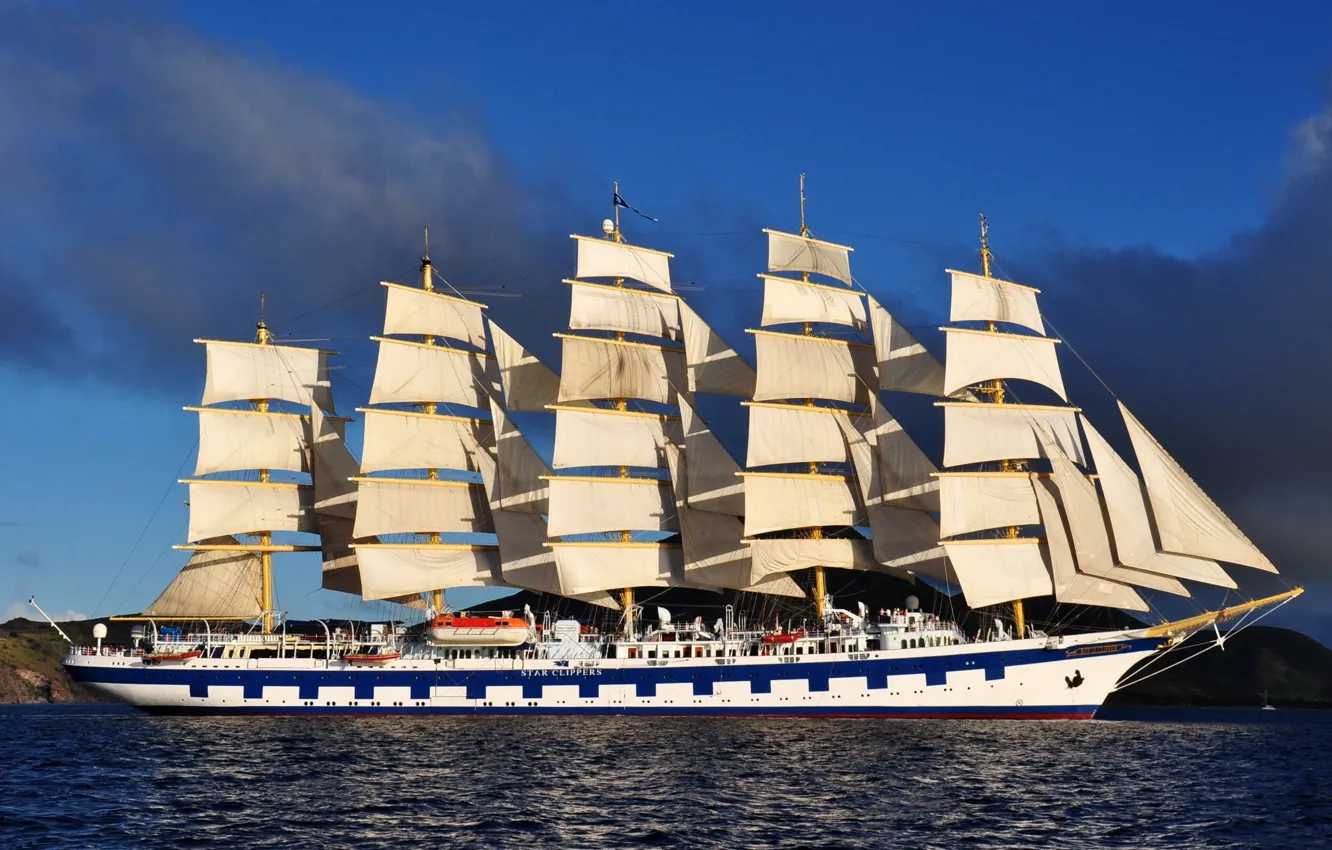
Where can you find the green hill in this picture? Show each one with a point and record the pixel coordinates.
(1293, 668)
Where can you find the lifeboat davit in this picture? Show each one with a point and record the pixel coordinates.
(455, 630)
(372, 657)
(176, 657)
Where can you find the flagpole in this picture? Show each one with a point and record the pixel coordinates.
(618, 237)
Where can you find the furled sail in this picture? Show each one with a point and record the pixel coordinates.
(213, 584)
(220, 508)
(418, 311)
(1188, 521)
(789, 252)
(608, 258)
(975, 432)
(520, 480)
(414, 372)
(712, 543)
(233, 440)
(714, 483)
(528, 383)
(587, 504)
(1070, 586)
(240, 371)
(781, 501)
(714, 366)
(794, 366)
(598, 436)
(975, 356)
(597, 368)
(999, 570)
(987, 299)
(403, 439)
(1126, 505)
(787, 301)
(1086, 523)
(904, 364)
(599, 307)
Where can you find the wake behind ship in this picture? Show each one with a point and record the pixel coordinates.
(640, 496)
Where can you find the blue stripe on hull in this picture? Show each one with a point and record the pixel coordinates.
(1049, 712)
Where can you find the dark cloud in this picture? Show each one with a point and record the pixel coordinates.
(1224, 357)
(156, 183)
(31, 560)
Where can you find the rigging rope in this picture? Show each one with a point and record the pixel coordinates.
(179, 471)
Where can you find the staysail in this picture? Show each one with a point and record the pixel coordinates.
(1125, 499)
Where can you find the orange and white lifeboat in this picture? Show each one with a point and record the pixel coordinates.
(376, 657)
(172, 657)
(456, 630)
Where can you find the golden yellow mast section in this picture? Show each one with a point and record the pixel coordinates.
(996, 392)
(263, 336)
(626, 594)
(428, 284)
(815, 533)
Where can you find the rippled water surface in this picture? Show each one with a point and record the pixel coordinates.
(100, 776)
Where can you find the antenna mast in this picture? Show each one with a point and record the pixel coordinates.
(804, 231)
(986, 256)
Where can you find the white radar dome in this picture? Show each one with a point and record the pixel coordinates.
(608, 227)
(913, 603)
(99, 631)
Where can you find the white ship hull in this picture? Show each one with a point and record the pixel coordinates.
(1045, 678)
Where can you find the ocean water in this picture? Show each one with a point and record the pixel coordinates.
(105, 776)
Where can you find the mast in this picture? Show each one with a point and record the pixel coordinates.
(617, 483)
(622, 403)
(798, 370)
(815, 533)
(432, 473)
(996, 393)
(255, 441)
(263, 336)
(409, 439)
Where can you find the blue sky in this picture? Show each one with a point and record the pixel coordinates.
(167, 162)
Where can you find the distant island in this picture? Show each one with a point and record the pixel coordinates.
(1294, 669)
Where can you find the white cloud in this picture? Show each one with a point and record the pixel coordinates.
(23, 609)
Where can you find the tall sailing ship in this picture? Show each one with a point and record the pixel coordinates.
(641, 499)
